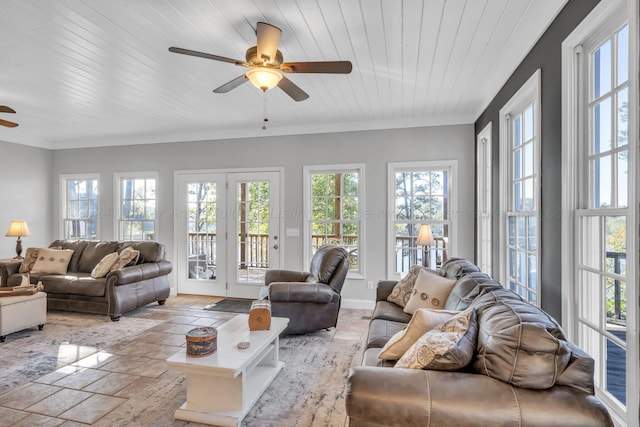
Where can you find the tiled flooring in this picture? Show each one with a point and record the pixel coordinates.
(109, 386)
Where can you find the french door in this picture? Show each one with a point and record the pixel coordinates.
(227, 231)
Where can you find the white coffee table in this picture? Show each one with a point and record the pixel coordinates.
(222, 387)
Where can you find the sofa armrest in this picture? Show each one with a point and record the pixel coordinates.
(384, 288)
(7, 268)
(284, 276)
(139, 272)
(301, 292)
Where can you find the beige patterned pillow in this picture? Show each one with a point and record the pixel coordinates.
(52, 261)
(423, 320)
(447, 347)
(402, 290)
(430, 291)
(30, 258)
(104, 266)
(128, 256)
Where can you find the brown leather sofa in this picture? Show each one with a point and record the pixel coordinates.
(524, 372)
(310, 300)
(120, 291)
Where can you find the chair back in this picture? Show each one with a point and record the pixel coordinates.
(329, 265)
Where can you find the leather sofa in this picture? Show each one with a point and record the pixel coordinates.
(120, 291)
(310, 300)
(523, 372)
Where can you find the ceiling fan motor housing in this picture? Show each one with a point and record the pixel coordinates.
(252, 58)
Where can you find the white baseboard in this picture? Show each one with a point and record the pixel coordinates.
(358, 303)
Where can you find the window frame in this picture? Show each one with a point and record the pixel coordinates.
(63, 183)
(529, 93)
(308, 171)
(117, 193)
(452, 222)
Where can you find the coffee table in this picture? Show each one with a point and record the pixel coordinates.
(222, 387)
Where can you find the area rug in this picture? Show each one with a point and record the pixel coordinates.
(230, 305)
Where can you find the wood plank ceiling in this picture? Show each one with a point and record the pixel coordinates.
(85, 73)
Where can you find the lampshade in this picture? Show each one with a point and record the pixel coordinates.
(425, 237)
(264, 78)
(18, 229)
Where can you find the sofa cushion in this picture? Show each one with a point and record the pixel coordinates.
(457, 267)
(468, 288)
(52, 261)
(30, 257)
(517, 342)
(104, 266)
(380, 331)
(149, 251)
(390, 311)
(77, 246)
(447, 347)
(93, 253)
(430, 291)
(423, 320)
(77, 284)
(370, 358)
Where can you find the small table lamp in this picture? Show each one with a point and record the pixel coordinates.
(425, 239)
(18, 229)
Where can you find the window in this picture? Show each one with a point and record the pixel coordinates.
(599, 212)
(421, 197)
(520, 175)
(79, 206)
(136, 206)
(334, 199)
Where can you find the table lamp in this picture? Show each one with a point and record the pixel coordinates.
(425, 239)
(18, 229)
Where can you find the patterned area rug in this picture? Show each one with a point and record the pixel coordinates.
(309, 391)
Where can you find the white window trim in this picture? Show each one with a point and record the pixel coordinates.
(528, 93)
(392, 167)
(63, 178)
(117, 195)
(484, 195)
(595, 25)
(306, 194)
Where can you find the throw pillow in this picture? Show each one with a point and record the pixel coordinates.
(423, 320)
(430, 291)
(52, 261)
(402, 290)
(104, 266)
(447, 347)
(30, 258)
(128, 256)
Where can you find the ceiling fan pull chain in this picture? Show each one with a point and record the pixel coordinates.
(265, 120)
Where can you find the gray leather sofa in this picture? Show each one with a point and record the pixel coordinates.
(122, 290)
(310, 300)
(524, 372)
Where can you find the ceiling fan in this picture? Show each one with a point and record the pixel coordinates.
(265, 66)
(5, 109)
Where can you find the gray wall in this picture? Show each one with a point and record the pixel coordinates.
(545, 55)
(25, 176)
(373, 148)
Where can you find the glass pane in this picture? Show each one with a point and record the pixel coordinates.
(616, 302)
(529, 203)
(512, 263)
(517, 131)
(602, 126)
(532, 226)
(527, 160)
(617, 371)
(616, 244)
(623, 117)
(623, 55)
(350, 184)
(589, 296)
(522, 232)
(201, 231)
(533, 272)
(603, 182)
(517, 164)
(590, 247)
(590, 342)
(512, 231)
(522, 268)
(602, 69)
(623, 179)
(517, 196)
(528, 123)
(253, 230)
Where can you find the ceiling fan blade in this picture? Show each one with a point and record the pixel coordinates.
(331, 67)
(232, 84)
(5, 109)
(268, 40)
(291, 89)
(8, 124)
(205, 55)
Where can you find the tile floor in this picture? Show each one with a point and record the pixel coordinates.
(108, 387)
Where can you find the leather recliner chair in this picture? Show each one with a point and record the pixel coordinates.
(311, 300)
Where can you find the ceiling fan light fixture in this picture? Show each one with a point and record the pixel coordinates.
(264, 78)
